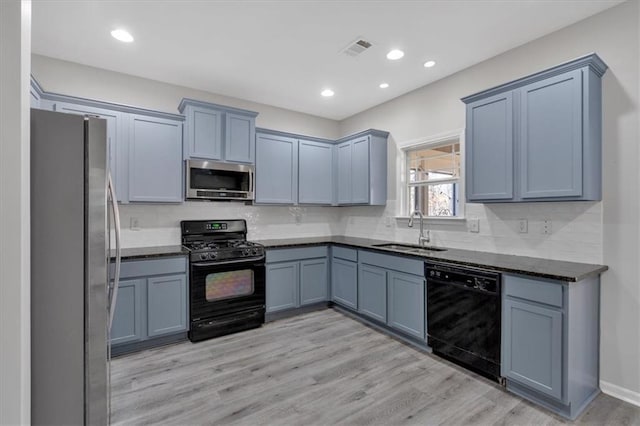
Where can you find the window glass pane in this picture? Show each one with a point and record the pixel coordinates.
(439, 200)
(427, 164)
(225, 285)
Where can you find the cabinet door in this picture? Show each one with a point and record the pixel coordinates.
(313, 281)
(316, 173)
(344, 173)
(532, 346)
(203, 133)
(551, 137)
(117, 153)
(166, 305)
(344, 283)
(276, 169)
(127, 324)
(282, 286)
(155, 159)
(406, 303)
(372, 292)
(489, 147)
(240, 136)
(360, 171)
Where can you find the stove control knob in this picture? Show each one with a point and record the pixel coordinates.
(246, 252)
(256, 251)
(212, 256)
(204, 256)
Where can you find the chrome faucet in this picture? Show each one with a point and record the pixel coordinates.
(422, 238)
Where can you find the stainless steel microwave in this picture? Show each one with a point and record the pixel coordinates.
(213, 180)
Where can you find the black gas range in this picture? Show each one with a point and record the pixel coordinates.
(226, 278)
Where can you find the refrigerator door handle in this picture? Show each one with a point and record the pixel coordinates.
(116, 278)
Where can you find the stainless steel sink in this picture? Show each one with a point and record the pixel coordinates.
(410, 248)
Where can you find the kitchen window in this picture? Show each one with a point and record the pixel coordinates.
(433, 180)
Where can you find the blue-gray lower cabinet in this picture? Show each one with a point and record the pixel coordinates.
(155, 159)
(313, 281)
(282, 286)
(372, 292)
(406, 303)
(128, 318)
(344, 283)
(550, 341)
(296, 277)
(166, 304)
(152, 304)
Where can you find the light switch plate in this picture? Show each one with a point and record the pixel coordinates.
(473, 225)
(546, 227)
(134, 224)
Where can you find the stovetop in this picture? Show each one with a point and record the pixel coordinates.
(223, 250)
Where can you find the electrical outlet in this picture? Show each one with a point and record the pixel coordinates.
(298, 218)
(134, 224)
(523, 226)
(473, 225)
(546, 227)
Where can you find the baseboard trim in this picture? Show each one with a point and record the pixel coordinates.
(621, 393)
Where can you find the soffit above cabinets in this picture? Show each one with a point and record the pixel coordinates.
(284, 53)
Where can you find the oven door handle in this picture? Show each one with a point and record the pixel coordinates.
(229, 262)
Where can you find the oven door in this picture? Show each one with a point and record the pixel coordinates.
(210, 180)
(227, 288)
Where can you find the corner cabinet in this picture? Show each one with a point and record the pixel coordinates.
(217, 132)
(538, 138)
(550, 341)
(361, 169)
(152, 304)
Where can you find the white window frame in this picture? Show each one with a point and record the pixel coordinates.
(403, 175)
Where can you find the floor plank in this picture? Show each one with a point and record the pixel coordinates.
(321, 368)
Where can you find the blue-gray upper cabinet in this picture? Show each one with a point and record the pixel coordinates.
(550, 341)
(489, 156)
(117, 140)
(551, 137)
(361, 163)
(406, 303)
(167, 305)
(217, 132)
(276, 169)
(372, 292)
(315, 172)
(538, 138)
(128, 317)
(155, 159)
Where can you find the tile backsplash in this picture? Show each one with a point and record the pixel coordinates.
(575, 235)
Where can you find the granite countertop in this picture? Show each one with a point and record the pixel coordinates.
(536, 267)
(150, 252)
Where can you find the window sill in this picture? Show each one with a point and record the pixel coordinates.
(434, 220)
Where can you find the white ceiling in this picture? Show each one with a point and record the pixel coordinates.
(284, 53)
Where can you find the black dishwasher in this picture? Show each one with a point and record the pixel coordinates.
(463, 316)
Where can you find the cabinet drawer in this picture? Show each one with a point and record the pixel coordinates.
(397, 263)
(284, 255)
(139, 268)
(547, 292)
(345, 253)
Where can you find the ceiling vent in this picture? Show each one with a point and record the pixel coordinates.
(356, 47)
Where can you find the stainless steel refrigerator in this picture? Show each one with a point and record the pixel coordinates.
(71, 293)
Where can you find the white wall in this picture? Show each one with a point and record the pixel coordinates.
(15, 361)
(70, 78)
(596, 232)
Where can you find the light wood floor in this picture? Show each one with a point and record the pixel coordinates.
(319, 368)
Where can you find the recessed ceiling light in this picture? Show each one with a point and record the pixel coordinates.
(122, 35)
(429, 64)
(395, 54)
(384, 85)
(327, 93)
